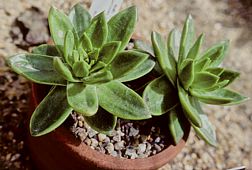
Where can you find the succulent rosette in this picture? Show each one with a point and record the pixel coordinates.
(187, 79)
(86, 68)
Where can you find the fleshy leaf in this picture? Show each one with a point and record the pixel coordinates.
(202, 64)
(186, 39)
(109, 51)
(174, 43)
(206, 132)
(139, 71)
(229, 75)
(126, 61)
(59, 24)
(121, 26)
(166, 61)
(44, 49)
(69, 47)
(194, 51)
(121, 101)
(176, 125)
(189, 109)
(63, 69)
(101, 76)
(215, 70)
(86, 43)
(51, 112)
(37, 68)
(80, 18)
(204, 80)
(98, 30)
(219, 97)
(82, 98)
(160, 96)
(186, 73)
(216, 53)
(81, 69)
(143, 46)
(102, 121)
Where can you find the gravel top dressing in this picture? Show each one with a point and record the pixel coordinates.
(135, 139)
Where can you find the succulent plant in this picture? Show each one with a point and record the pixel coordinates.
(187, 78)
(86, 67)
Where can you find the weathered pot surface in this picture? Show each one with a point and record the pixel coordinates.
(60, 150)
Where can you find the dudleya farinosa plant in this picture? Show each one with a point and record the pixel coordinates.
(188, 78)
(86, 68)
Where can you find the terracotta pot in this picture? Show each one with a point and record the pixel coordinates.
(60, 150)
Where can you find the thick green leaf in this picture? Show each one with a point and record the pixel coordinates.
(86, 43)
(218, 85)
(186, 73)
(37, 68)
(121, 101)
(143, 46)
(229, 75)
(125, 62)
(176, 125)
(219, 97)
(202, 65)
(69, 47)
(190, 110)
(51, 112)
(206, 132)
(98, 30)
(139, 71)
(204, 80)
(45, 49)
(82, 98)
(121, 26)
(166, 61)
(80, 18)
(186, 39)
(160, 96)
(173, 43)
(102, 121)
(109, 51)
(215, 70)
(99, 77)
(216, 53)
(194, 51)
(59, 25)
(81, 69)
(63, 69)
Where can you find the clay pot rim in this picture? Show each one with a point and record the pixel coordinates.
(85, 153)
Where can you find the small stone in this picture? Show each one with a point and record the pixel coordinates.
(119, 145)
(148, 146)
(94, 142)
(92, 133)
(80, 123)
(117, 138)
(82, 135)
(141, 148)
(110, 147)
(133, 132)
(114, 154)
(8, 156)
(10, 135)
(154, 152)
(15, 157)
(131, 152)
(157, 147)
(80, 118)
(157, 140)
(101, 137)
(88, 141)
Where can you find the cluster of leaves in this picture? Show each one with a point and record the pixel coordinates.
(188, 77)
(86, 68)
